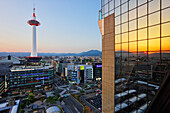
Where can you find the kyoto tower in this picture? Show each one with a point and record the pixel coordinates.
(33, 22)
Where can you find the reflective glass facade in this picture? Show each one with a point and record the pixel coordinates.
(142, 50)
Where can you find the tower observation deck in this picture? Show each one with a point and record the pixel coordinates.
(34, 23)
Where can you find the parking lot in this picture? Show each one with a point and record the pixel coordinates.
(96, 101)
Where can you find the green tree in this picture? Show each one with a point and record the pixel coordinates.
(42, 99)
(56, 98)
(21, 111)
(28, 102)
(85, 109)
(52, 101)
(31, 97)
(60, 99)
(81, 91)
(23, 106)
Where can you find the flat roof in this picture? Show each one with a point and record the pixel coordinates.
(27, 68)
(13, 109)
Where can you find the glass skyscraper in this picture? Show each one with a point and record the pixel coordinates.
(136, 34)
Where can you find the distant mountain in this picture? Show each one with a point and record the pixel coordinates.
(88, 53)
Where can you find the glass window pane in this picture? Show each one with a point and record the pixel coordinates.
(154, 44)
(111, 12)
(117, 20)
(166, 29)
(103, 10)
(117, 38)
(125, 17)
(105, 1)
(165, 43)
(124, 7)
(106, 8)
(123, 1)
(117, 47)
(132, 36)
(154, 18)
(111, 5)
(154, 5)
(125, 27)
(154, 31)
(133, 47)
(142, 34)
(142, 22)
(117, 3)
(165, 3)
(117, 11)
(124, 46)
(117, 29)
(142, 10)
(132, 4)
(125, 37)
(132, 14)
(166, 15)
(132, 25)
(140, 2)
(142, 46)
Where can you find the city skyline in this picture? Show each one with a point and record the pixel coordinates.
(68, 32)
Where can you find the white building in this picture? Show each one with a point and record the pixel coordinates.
(11, 60)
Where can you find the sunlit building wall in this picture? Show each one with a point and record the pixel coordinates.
(141, 51)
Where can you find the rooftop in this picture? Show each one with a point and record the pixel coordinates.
(27, 68)
(12, 109)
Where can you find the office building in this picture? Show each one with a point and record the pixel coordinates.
(135, 52)
(30, 79)
(10, 60)
(12, 106)
(2, 86)
(72, 77)
(97, 71)
(84, 73)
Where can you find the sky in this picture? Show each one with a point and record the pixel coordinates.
(67, 26)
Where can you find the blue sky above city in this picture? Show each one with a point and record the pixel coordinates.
(66, 25)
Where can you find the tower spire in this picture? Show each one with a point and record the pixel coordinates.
(33, 12)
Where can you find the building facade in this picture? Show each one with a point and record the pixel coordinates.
(30, 79)
(2, 86)
(84, 73)
(97, 71)
(135, 52)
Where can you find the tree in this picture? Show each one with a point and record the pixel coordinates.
(85, 109)
(23, 106)
(58, 95)
(52, 101)
(55, 98)
(60, 99)
(42, 99)
(81, 91)
(21, 111)
(31, 97)
(28, 102)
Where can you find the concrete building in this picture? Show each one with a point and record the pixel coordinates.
(10, 60)
(2, 86)
(12, 106)
(30, 79)
(133, 29)
(97, 71)
(84, 73)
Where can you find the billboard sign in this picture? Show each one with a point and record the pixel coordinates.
(98, 65)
